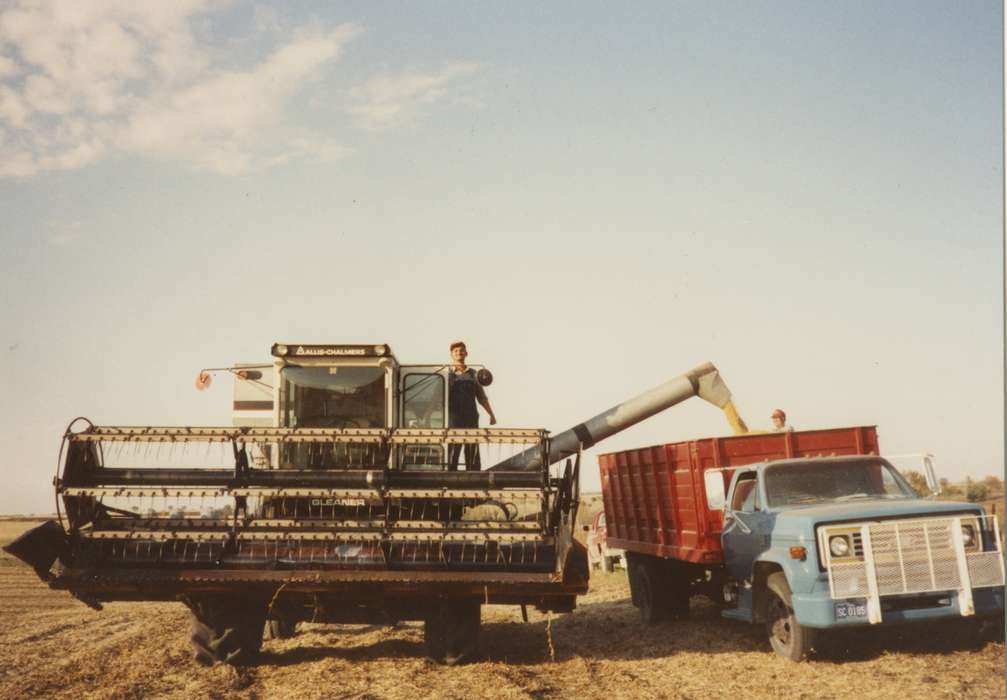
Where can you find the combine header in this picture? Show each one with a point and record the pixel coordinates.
(343, 510)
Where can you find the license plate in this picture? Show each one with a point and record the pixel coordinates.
(851, 610)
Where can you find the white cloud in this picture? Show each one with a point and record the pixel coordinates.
(387, 101)
(7, 67)
(219, 121)
(86, 80)
(13, 110)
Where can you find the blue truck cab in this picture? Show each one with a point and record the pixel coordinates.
(812, 545)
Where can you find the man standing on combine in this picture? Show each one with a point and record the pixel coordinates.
(464, 390)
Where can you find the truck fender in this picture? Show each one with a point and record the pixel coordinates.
(768, 563)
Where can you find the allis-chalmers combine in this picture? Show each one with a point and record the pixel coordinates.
(330, 500)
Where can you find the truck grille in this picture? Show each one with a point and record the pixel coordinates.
(913, 556)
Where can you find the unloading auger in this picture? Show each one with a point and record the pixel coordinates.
(704, 381)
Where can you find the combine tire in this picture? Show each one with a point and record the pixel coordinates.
(788, 637)
(227, 631)
(451, 632)
(280, 628)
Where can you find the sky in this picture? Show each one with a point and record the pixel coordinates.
(808, 195)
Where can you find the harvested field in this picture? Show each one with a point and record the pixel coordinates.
(53, 646)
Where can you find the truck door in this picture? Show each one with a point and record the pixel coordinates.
(423, 403)
(746, 526)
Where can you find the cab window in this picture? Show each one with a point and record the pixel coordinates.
(422, 407)
(423, 401)
(333, 397)
(745, 494)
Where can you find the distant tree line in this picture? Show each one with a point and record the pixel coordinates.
(970, 489)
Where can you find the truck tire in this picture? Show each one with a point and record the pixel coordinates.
(788, 637)
(649, 594)
(227, 631)
(991, 629)
(451, 632)
(676, 591)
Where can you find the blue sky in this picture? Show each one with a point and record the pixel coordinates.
(809, 195)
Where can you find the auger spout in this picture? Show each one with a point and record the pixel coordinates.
(703, 381)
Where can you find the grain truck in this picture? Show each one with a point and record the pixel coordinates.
(331, 499)
(803, 532)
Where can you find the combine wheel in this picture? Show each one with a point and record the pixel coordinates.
(280, 628)
(227, 631)
(451, 632)
(788, 637)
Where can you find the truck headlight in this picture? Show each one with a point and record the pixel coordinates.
(968, 535)
(839, 546)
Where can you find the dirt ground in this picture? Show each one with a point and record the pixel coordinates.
(52, 646)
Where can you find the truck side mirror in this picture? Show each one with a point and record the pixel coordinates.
(928, 470)
(716, 499)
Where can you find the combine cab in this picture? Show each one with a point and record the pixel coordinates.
(331, 500)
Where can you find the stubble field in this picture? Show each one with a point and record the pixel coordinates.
(52, 646)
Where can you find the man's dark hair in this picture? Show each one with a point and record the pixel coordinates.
(457, 344)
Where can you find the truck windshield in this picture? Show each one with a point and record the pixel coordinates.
(833, 482)
(333, 397)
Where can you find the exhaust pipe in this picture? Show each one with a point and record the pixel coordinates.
(703, 381)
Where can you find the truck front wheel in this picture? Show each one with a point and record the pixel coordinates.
(788, 637)
(451, 632)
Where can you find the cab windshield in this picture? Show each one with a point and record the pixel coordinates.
(333, 397)
(833, 482)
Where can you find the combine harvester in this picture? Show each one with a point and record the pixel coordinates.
(329, 501)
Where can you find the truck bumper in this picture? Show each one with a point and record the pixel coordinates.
(818, 609)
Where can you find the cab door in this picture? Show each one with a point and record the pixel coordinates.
(423, 403)
(744, 534)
